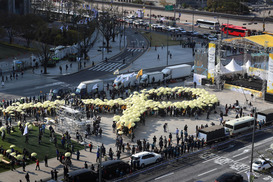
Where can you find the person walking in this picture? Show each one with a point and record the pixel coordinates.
(85, 165)
(27, 177)
(90, 147)
(55, 174)
(24, 165)
(46, 159)
(37, 164)
(78, 154)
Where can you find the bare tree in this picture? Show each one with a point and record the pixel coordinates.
(43, 48)
(28, 25)
(107, 24)
(10, 24)
(48, 6)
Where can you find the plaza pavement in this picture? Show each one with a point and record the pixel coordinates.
(153, 125)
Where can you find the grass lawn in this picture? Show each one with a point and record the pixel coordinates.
(46, 147)
(158, 39)
(7, 51)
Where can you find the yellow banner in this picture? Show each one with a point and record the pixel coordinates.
(243, 90)
(211, 61)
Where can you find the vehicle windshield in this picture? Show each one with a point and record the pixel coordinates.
(258, 162)
(229, 126)
(135, 158)
(55, 91)
(78, 90)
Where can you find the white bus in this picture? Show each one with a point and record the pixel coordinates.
(239, 125)
(213, 25)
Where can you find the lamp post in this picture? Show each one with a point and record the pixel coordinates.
(167, 48)
(252, 146)
(150, 27)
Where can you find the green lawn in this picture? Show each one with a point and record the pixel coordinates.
(46, 147)
(7, 51)
(158, 39)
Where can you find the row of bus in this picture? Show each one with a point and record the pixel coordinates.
(229, 29)
(234, 127)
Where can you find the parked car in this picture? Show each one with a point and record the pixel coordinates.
(212, 38)
(143, 159)
(262, 164)
(109, 168)
(228, 177)
(82, 175)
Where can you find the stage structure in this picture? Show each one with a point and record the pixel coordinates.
(260, 46)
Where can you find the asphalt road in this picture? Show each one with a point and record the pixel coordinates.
(207, 165)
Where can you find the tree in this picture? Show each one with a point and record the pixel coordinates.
(28, 25)
(85, 32)
(43, 48)
(107, 25)
(9, 23)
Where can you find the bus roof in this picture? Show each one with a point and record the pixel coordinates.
(239, 120)
(207, 21)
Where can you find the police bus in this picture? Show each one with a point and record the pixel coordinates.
(213, 25)
(239, 125)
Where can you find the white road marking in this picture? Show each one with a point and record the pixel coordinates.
(211, 159)
(207, 172)
(164, 176)
(242, 153)
(242, 158)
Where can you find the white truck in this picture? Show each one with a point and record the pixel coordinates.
(148, 78)
(125, 80)
(87, 87)
(178, 71)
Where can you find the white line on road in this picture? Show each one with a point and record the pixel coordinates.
(211, 159)
(207, 172)
(239, 154)
(242, 158)
(164, 176)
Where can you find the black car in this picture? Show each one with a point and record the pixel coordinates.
(114, 168)
(82, 175)
(60, 92)
(230, 177)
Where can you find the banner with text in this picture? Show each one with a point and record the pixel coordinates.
(270, 75)
(211, 61)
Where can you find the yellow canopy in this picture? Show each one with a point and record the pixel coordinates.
(260, 39)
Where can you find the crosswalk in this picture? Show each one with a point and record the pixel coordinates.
(108, 67)
(134, 50)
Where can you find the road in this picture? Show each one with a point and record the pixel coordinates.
(207, 165)
(136, 46)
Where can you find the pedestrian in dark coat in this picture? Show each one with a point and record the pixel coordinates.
(78, 155)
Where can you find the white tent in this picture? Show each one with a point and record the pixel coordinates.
(246, 66)
(221, 68)
(233, 66)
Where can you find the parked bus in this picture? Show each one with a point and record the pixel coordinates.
(213, 25)
(235, 30)
(239, 125)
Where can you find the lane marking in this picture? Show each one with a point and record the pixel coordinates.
(164, 176)
(245, 151)
(207, 172)
(211, 159)
(242, 158)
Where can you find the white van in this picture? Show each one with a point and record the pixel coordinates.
(239, 125)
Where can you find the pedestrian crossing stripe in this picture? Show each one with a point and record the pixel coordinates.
(108, 67)
(135, 50)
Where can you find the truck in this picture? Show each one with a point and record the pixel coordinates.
(151, 77)
(125, 80)
(212, 134)
(90, 86)
(265, 116)
(178, 71)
